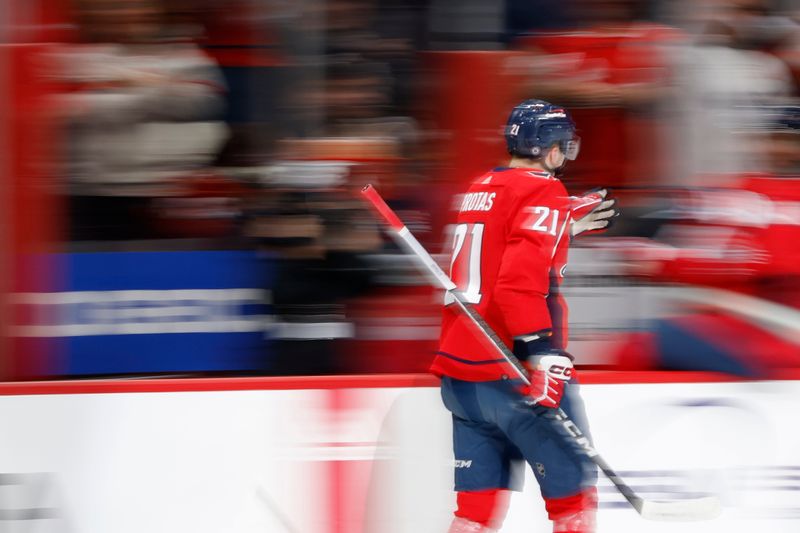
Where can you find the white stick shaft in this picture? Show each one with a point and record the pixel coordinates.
(424, 259)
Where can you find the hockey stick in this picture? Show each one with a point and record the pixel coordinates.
(703, 508)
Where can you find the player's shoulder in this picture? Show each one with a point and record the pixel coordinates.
(506, 189)
(525, 182)
(517, 177)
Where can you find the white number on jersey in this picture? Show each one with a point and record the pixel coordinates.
(471, 258)
(546, 219)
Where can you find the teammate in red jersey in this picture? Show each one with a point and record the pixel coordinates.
(509, 253)
(736, 239)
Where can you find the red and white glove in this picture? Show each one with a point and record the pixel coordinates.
(593, 211)
(550, 373)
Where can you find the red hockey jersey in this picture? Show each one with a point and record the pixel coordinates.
(509, 251)
(741, 238)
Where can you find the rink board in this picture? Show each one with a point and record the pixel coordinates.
(364, 455)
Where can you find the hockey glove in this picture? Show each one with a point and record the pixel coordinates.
(551, 369)
(550, 374)
(593, 211)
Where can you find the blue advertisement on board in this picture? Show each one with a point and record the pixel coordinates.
(156, 312)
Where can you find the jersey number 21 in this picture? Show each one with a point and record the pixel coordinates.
(466, 262)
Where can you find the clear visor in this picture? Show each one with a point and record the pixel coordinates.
(571, 148)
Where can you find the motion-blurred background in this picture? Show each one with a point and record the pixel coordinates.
(178, 178)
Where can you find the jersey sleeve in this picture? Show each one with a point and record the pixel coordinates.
(537, 231)
(556, 303)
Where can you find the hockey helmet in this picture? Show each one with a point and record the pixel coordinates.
(536, 125)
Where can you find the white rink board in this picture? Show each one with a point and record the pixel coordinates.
(260, 461)
(174, 462)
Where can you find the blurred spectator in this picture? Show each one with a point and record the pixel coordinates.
(727, 74)
(319, 235)
(141, 114)
(369, 39)
(251, 42)
(401, 28)
(616, 71)
(357, 103)
(348, 128)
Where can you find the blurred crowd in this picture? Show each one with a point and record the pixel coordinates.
(251, 124)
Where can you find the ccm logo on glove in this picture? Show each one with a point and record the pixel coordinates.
(550, 373)
(555, 366)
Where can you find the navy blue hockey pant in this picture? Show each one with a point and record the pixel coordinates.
(494, 431)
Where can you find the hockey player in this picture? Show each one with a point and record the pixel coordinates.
(509, 253)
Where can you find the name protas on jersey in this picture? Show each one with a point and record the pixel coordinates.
(477, 201)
